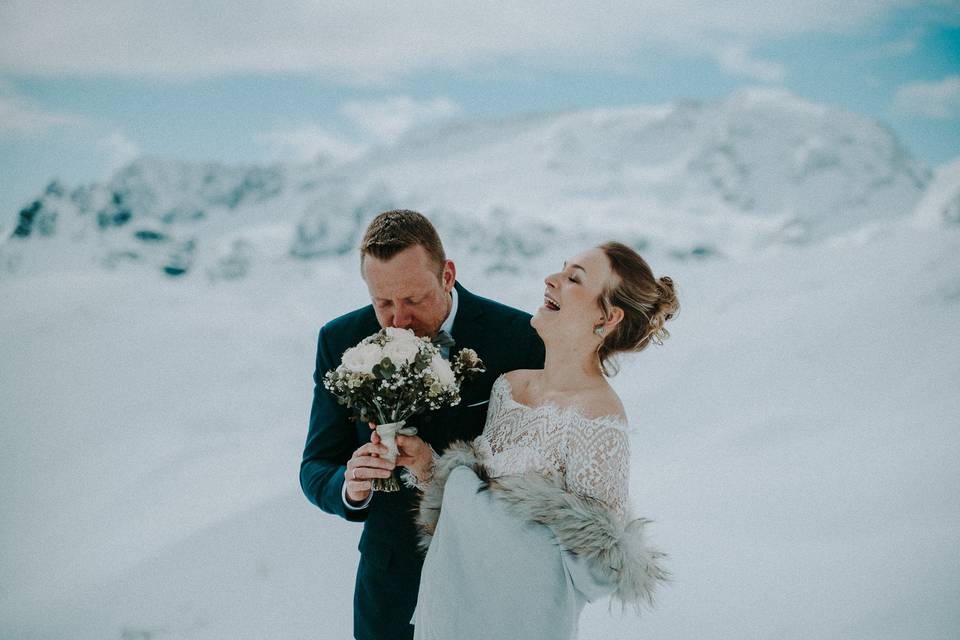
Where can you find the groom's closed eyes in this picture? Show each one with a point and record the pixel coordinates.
(383, 304)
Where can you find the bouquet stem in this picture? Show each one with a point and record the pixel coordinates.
(386, 485)
(388, 438)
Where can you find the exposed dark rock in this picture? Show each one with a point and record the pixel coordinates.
(182, 215)
(149, 235)
(55, 189)
(180, 259)
(25, 221)
(113, 218)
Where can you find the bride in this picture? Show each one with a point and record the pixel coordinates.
(530, 521)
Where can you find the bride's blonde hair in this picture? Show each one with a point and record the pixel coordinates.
(647, 303)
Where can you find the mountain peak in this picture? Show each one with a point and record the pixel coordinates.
(758, 168)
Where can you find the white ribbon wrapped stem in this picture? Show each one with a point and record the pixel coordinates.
(388, 438)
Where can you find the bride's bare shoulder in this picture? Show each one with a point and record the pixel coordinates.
(519, 377)
(602, 402)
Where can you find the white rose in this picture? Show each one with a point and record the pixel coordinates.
(401, 352)
(401, 335)
(442, 371)
(362, 357)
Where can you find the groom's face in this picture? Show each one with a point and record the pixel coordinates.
(407, 292)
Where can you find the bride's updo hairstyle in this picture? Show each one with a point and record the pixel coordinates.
(647, 303)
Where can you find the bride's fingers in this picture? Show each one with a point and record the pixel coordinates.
(410, 444)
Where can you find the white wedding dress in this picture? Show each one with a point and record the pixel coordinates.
(528, 523)
(591, 455)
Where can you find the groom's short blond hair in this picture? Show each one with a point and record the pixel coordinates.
(393, 231)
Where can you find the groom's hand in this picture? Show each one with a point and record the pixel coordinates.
(416, 455)
(363, 466)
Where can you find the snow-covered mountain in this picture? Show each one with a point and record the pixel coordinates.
(759, 169)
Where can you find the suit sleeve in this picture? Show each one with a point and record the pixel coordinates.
(331, 440)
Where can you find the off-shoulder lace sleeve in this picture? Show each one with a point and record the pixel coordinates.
(598, 460)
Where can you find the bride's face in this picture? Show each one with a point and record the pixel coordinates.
(570, 309)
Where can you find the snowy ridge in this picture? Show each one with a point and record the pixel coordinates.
(941, 201)
(760, 169)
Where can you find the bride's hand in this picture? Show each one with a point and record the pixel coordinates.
(416, 455)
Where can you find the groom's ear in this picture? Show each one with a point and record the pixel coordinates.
(449, 275)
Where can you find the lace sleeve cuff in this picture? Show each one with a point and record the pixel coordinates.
(411, 480)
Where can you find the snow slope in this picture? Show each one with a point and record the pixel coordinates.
(796, 446)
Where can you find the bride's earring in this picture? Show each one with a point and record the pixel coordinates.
(599, 330)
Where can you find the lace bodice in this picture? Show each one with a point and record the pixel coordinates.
(592, 455)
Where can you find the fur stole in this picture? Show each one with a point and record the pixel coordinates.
(614, 545)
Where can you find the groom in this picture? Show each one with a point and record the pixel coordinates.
(412, 285)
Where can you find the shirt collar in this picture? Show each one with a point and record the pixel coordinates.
(448, 323)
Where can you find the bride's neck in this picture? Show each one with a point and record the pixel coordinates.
(568, 367)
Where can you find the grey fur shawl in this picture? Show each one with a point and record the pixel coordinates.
(614, 546)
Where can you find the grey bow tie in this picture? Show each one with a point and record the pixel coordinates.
(444, 340)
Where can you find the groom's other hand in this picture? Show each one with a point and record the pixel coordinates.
(363, 466)
(416, 455)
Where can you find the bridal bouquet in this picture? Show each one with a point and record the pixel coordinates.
(394, 375)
